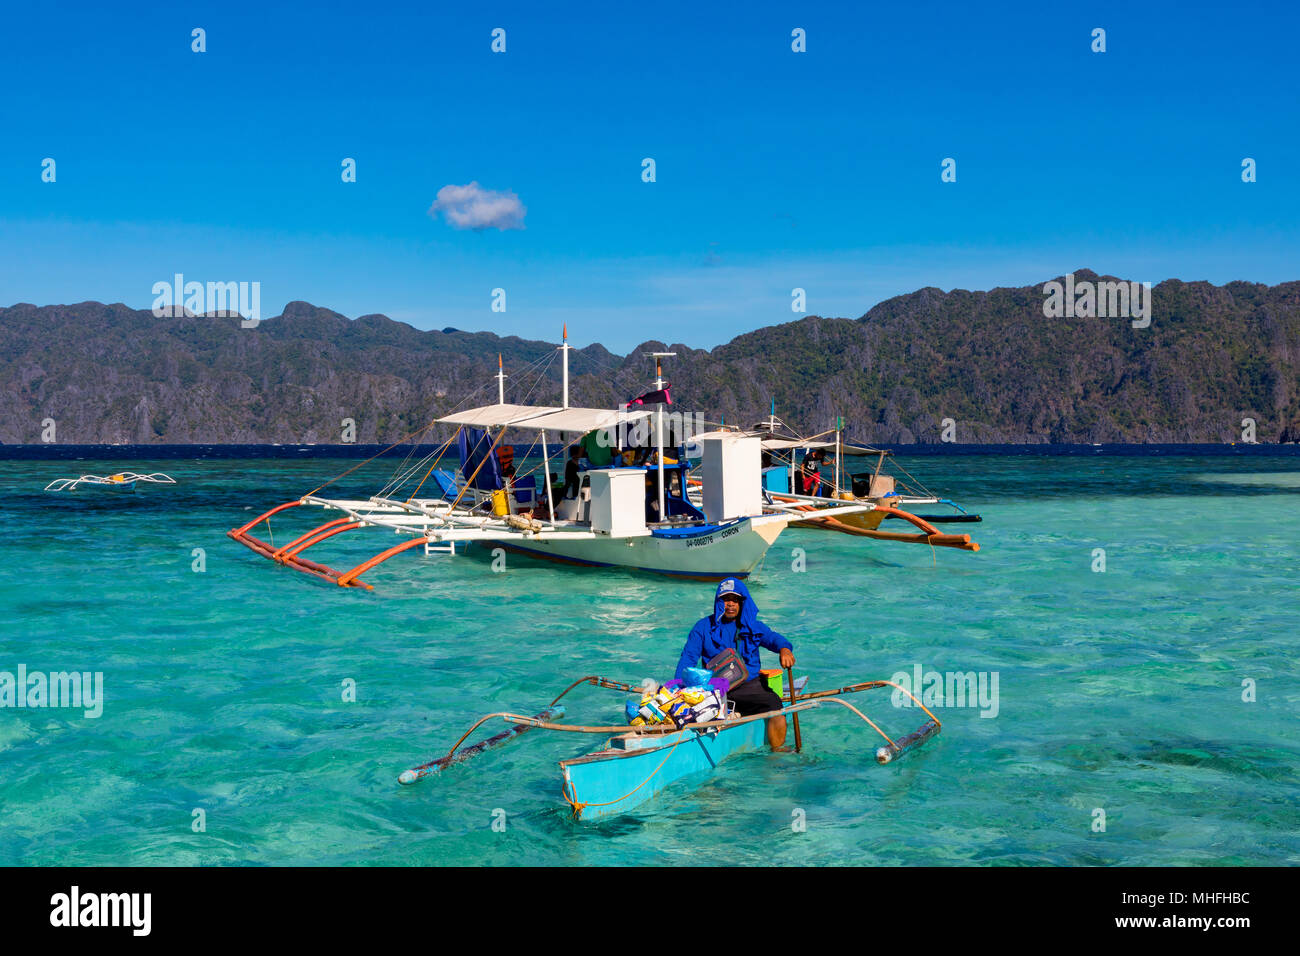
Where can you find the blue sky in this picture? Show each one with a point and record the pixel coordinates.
(775, 169)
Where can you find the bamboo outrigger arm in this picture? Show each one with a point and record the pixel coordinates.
(266, 550)
(238, 532)
(455, 755)
(350, 577)
(929, 533)
(315, 536)
(554, 711)
(597, 682)
(288, 555)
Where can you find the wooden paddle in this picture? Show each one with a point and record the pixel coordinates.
(798, 740)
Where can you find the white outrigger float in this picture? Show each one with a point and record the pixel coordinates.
(628, 517)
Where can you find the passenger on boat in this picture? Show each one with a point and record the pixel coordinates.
(810, 478)
(675, 483)
(651, 498)
(734, 624)
(571, 468)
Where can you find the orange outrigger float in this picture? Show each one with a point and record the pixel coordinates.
(288, 554)
(867, 526)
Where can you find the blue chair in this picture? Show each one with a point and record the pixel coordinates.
(526, 490)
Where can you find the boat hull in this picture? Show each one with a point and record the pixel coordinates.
(618, 779)
(113, 487)
(863, 520)
(733, 550)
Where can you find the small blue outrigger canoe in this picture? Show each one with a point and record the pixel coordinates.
(633, 767)
(635, 764)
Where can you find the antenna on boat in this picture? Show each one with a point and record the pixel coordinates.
(839, 442)
(770, 425)
(501, 381)
(659, 420)
(564, 348)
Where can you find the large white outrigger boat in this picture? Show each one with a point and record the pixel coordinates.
(628, 517)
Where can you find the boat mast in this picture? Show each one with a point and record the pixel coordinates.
(839, 424)
(564, 348)
(659, 423)
(771, 427)
(546, 480)
(501, 381)
(546, 459)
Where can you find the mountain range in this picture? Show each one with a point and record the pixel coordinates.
(922, 367)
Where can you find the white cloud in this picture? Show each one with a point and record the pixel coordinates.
(473, 207)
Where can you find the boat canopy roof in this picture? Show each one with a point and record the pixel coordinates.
(541, 417)
(772, 443)
(582, 419)
(496, 415)
(785, 444)
(722, 433)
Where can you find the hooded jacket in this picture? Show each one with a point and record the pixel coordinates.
(711, 635)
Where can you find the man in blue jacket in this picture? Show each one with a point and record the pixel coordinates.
(734, 624)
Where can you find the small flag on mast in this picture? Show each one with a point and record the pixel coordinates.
(657, 397)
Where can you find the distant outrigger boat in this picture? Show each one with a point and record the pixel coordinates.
(608, 524)
(874, 486)
(635, 764)
(873, 490)
(124, 481)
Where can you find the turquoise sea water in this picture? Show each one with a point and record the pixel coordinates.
(1119, 691)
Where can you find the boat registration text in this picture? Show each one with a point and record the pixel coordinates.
(709, 539)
